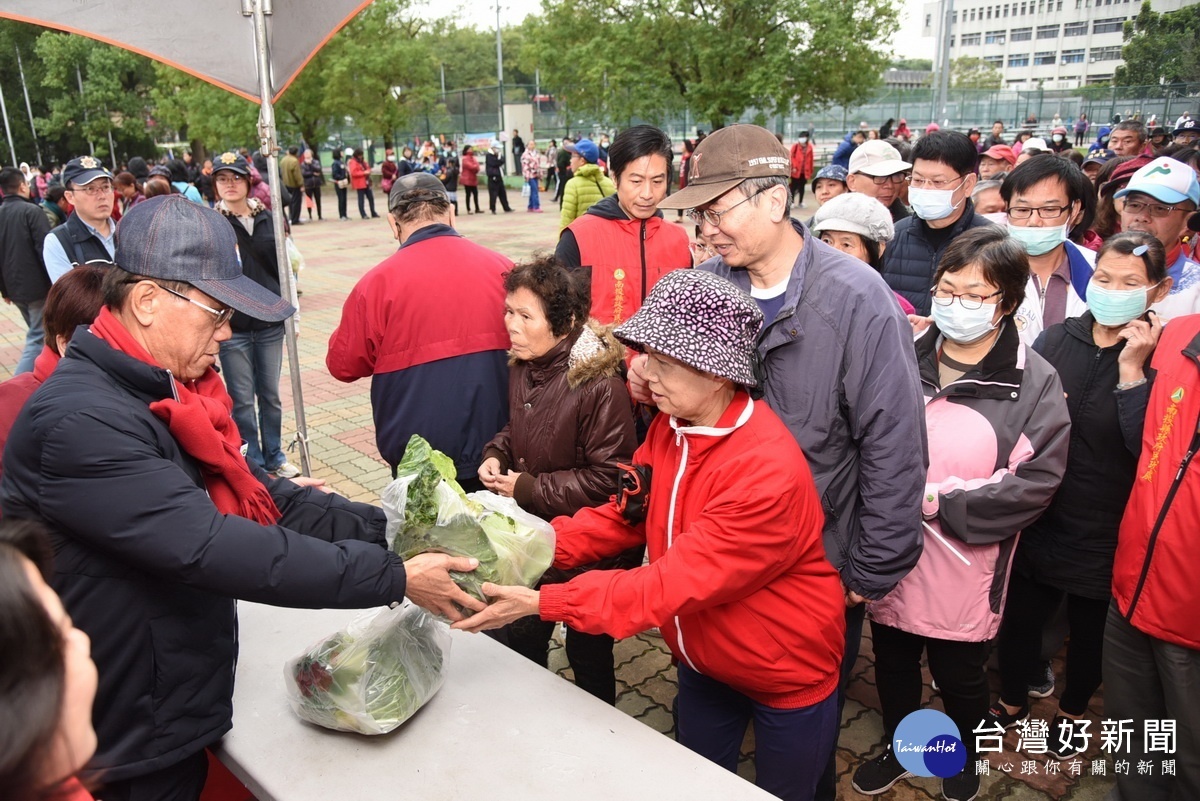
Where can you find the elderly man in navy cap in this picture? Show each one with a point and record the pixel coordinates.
(130, 456)
(87, 235)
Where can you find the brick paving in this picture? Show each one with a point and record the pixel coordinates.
(342, 448)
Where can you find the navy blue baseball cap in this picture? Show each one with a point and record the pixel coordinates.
(231, 162)
(82, 171)
(171, 238)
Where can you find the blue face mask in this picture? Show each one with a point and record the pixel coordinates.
(1039, 241)
(1113, 307)
(934, 204)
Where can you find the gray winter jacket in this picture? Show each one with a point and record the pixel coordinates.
(841, 373)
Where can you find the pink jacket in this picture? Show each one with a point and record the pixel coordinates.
(998, 441)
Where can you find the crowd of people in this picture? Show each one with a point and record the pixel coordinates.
(959, 401)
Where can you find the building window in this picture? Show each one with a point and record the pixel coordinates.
(1095, 79)
(1044, 58)
(951, 41)
(994, 37)
(1018, 61)
(972, 15)
(1022, 34)
(1075, 29)
(1106, 53)
(1047, 31)
(994, 61)
(1114, 25)
(971, 39)
(1072, 56)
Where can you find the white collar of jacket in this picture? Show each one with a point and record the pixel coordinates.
(713, 431)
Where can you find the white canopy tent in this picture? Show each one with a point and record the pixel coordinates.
(244, 46)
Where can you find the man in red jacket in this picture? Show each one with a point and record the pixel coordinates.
(428, 324)
(623, 239)
(1152, 638)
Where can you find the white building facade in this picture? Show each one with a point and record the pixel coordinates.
(1054, 44)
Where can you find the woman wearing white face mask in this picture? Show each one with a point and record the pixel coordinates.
(997, 430)
(1068, 552)
(1048, 200)
(802, 167)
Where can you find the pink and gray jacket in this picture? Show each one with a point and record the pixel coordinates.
(998, 441)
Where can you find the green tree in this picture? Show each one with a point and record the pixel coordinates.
(14, 37)
(1161, 48)
(618, 59)
(969, 72)
(207, 117)
(114, 100)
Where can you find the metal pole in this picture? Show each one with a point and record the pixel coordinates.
(500, 75)
(12, 151)
(36, 145)
(944, 78)
(79, 80)
(259, 9)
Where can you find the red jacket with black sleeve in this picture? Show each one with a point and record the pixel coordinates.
(738, 581)
(428, 324)
(1158, 549)
(626, 256)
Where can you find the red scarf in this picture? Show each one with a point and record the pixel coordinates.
(201, 422)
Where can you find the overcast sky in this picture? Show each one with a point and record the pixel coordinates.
(908, 43)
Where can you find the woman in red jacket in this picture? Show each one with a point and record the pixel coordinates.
(802, 166)
(738, 581)
(469, 178)
(360, 179)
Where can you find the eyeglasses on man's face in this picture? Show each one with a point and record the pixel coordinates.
(712, 217)
(1156, 210)
(883, 180)
(95, 188)
(917, 182)
(220, 316)
(1045, 212)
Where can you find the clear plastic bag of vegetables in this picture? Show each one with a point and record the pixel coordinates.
(428, 511)
(372, 675)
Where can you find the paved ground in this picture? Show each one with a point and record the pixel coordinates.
(343, 452)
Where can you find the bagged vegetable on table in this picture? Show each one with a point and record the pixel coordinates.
(427, 511)
(374, 674)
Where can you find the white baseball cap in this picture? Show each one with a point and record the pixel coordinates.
(1165, 179)
(876, 157)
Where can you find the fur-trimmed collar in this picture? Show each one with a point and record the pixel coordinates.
(256, 207)
(593, 352)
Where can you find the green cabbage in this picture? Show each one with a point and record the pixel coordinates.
(428, 511)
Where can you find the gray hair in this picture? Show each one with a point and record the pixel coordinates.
(984, 186)
(752, 186)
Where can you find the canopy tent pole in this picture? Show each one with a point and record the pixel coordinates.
(268, 146)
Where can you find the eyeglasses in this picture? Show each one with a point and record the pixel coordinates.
(219, 317)
(1045, 212)
(95, 188)
(713, 218)
(944, 297)
(227, 177)
(1156, 210)
(925, 183)
(882, 180)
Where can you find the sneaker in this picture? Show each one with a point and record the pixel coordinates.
(286, 470)
(963, 787)
(1045, 688)
(879, 774)
(1068, 738)
(999, 716)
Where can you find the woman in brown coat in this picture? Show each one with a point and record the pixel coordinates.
(571, 422)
